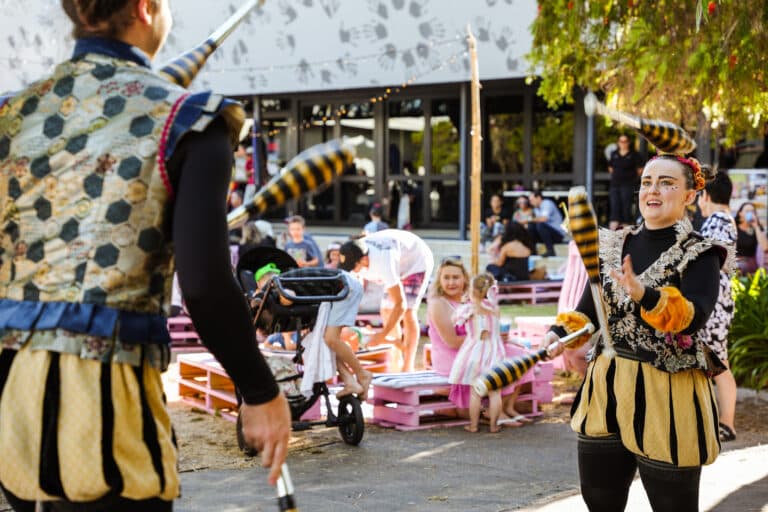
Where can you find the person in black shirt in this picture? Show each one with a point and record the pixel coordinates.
(625, 166)
(495, 218)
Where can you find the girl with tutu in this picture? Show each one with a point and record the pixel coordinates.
(482, 348)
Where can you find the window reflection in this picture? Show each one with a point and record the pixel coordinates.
(504, 143)
(356, 121)
(552, 139)
(405, 127)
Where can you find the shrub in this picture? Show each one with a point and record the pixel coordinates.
(748, 334)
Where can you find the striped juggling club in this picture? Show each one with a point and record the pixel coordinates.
(307, 171)
(184, 68)
(667, 137)
(511, 370)
(583, 226)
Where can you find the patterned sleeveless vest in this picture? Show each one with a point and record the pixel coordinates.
(630, 333)
(86, 263)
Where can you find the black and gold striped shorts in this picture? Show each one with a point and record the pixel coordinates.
(666, 417)
(81, 430)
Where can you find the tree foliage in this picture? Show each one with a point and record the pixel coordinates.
(683, 61)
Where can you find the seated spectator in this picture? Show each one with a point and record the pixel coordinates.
(523, 213)
(545, 227)
(751, 239)
(448, 292)
(332, 255)
(376, 224)
(515, 248)
(494, 219)
(300, 247)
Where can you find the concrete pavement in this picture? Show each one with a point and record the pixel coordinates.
(532, 468)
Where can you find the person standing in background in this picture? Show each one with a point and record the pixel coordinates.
(625, 167)
(402, 263)
(719, 225)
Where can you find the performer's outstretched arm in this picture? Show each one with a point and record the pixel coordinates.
(200, 171)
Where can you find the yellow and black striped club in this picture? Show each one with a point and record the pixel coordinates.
(183, 69)
(510, 371)
(307, 171)
(583, 226)
(667, 137)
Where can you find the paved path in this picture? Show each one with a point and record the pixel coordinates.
(449, 470)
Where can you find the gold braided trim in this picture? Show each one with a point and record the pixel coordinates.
(672, 314)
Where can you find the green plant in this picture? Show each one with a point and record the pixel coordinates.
(748, 334)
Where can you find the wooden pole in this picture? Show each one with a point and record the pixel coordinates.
(476, 169)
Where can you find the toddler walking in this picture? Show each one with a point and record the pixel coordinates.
(482, 348)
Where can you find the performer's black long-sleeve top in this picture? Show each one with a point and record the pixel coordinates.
(200, 170)
(645, 248)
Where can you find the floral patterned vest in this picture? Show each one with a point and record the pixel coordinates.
(631, 335)
(85, 254)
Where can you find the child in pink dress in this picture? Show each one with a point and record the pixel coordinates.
(482, 348)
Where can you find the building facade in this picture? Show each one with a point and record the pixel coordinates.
(392, 73)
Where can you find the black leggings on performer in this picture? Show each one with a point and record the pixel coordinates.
(606, 470)
(115, 505)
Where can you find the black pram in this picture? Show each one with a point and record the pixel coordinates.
(302, 290)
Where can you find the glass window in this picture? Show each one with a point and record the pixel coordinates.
(405, 130)
(504, 152)
(552, 139)
(356, 121)
(446, 127)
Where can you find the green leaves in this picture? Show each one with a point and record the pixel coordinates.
(748, 334)
(658, 59)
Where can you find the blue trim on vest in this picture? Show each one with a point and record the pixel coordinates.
(91, 319)
(191, 110)
(111, 48)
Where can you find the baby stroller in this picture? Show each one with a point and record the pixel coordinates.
(302, 291)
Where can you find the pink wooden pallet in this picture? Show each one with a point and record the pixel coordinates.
(182, 331)
(530, 291)
(415, 407)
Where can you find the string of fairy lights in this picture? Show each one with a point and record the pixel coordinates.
(388, 91)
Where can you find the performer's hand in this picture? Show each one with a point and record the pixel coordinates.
(267, 427)
(628, 280)
(549, 339)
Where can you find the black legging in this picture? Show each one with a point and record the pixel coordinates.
(118, 505)
(606, 470)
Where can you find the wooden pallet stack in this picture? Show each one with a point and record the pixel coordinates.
(205, 384)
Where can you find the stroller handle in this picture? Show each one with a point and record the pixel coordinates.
(283, 286)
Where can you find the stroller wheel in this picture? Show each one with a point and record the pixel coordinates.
(247, 450)
(351, 421)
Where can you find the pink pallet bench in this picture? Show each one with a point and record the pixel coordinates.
(413, 401)
(536, 384)
(531, 291)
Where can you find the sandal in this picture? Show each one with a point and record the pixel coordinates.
(726, 433)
